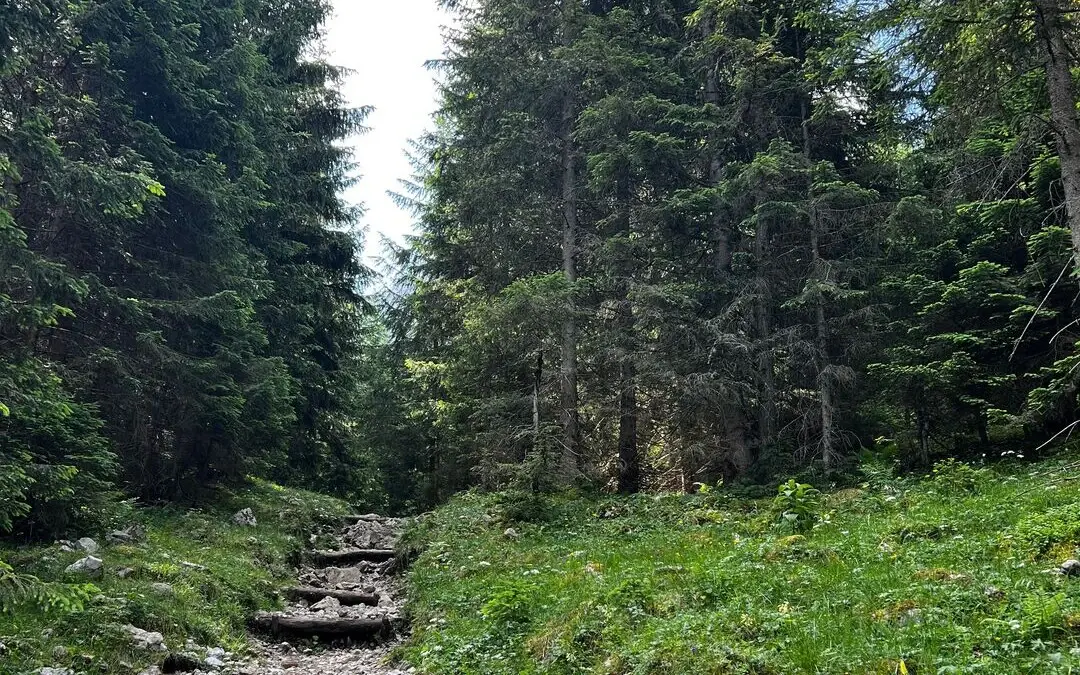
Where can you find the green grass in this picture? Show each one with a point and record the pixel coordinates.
(245, 567)
(943, 575)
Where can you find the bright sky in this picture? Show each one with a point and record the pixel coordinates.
(386, 44)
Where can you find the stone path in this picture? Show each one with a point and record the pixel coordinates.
(353, 653)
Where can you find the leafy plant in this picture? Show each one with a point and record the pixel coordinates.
(797, 506)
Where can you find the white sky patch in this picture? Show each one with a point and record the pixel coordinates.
(386, 44)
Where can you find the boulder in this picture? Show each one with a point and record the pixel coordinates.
(160, 588)
(1070, 568)
(326, 604)
(88, 566)
(87, 544)
(181, 663)
(143, 639)
(129, 535)
(125, 572)
(338, 577)
(373, 534)
(245, 518)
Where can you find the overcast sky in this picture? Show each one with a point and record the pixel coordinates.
(386, 43)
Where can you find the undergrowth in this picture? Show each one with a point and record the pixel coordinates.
(220, 573)
(953, 573)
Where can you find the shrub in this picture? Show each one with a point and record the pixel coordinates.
(797, 506)
(956, 476)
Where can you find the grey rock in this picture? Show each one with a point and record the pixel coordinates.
(143, 639)
(59, 653)
(55, 671)
(87, 544)
(3, 649)
(193, 566)
(511, 534)
(245, 518)
(66, 546)
(340, 576)
(911, 616)
(214, 662)
(129, 535)
(125, 572)
(326, 604)
(88, 566)
(216, 652)
(1070, 568)
(185, 662)
(160, 588)
(152, 670)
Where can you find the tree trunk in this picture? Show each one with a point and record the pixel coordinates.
(720, 227)
(540, 469)
(766, 378)
(629, 460)
(825, 392)
(1050, 24)
(819, 271)
(737, 455)
(570, 456)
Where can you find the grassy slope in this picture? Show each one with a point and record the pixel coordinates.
(945, 575)
(245, 568)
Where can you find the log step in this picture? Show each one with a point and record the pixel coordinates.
(349, 557)
(329, 627)
(367, 517)
(344, 597)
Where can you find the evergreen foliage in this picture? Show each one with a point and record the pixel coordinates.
(741, 239)
(179, 278)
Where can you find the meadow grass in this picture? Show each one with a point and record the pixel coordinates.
(952, 573)
(233, 571)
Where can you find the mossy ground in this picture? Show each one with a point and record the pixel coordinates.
(244, 569)
(947, 574)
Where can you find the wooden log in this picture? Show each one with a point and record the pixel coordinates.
(351, 557)
(367, 517)
(329, 627)
(344, 597)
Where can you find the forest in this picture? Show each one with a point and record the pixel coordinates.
(732, 332)
(662, 244)
(667, 244)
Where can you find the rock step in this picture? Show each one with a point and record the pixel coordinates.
(344, 597)
(329, 558)
(325, 627)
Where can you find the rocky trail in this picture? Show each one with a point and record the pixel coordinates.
(345, 612)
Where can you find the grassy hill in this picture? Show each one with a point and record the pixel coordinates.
(953, 573)
(217, 574)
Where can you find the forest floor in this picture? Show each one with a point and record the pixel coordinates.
(963, 571)
(180, 595)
